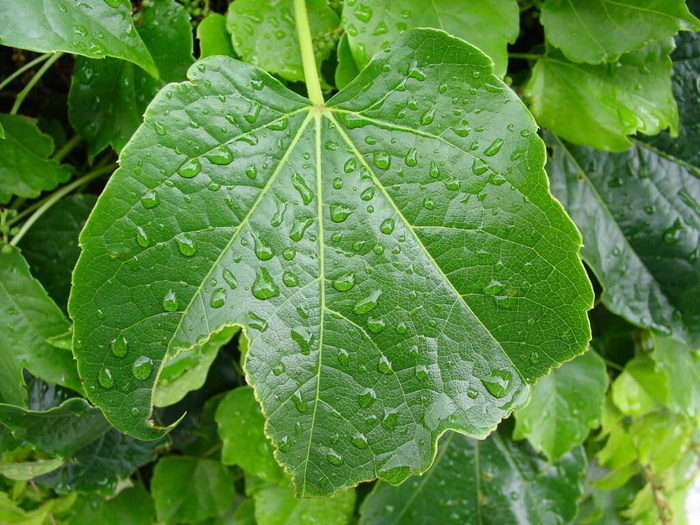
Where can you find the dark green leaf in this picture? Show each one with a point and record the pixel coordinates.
(264, 34)
(132, 506)
(682, 365)
(189, 489)
(241, 428)
(93, 28)
(395, 280)
(26, 169)
(602, 30)
(278, 506)
(639, 214)
(564, 406)
(347, 69)
(27, 318)
(58, 431)
(108, 97)
(490, 25)
(51, 245)
(495, 481)
(214, 38)
(599, 105)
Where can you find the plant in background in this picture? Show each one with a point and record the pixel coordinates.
(310, 266)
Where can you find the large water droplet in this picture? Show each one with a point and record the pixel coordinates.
(673, 234)
(367, 304)
(428, 117)
(350, 165)
(263, 251)
(218, 298)
(120, 346)
(289, 253)
(254, 112)
(170, 302)
(142, 237)
(428, 203)
(150, 199)
(367, 398)
(494, 148)
(221, 156)
(304, 339)
(334, 458)
(344, 282)
(230, 279)
(360, 441)
(411, 158)
(186, 244)
(290, 279)
(382, 160)
(339, 212)
(190, 169)
(302, 407)
(384, 365)
(498, 383)
(279, 369)
(264, 287)
(367, 194)
(299, 228)
(142, 368)
(390, 420)
(376, 325)
(105, 378)
(422, 373)
(434, 170)
(300, 185)
(387, 227)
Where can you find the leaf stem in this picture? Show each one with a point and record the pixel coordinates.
(58, 195)
(23, 69)
(67, 148)
(313, 85)
(526, 56)
(23, 94)
(613, 365)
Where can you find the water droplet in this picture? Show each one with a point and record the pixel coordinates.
(290, 280)
(673, 234)
(411, 158)
(428, 203)
(367, 398)
(105, 378)
(300, 185)
(142, 238)
(363, 12)
(264, 287)
(284, 444)
(299, 228)
(479, 167)
(343, 357)
(494, 148)
(257, 322)
(473, 393)
(422, 373)
(190, 169)
(534, 357)
(367, 304)
(289, 253)
(170, 302)
(120, 346)
(279, 125)
(384, 365)
(350, 165)
(390, 420)
(150, 199)
(304, 339)
(498, 383)
(263, 251)
(302, 407)
(254, 112)
(382, 160)
(230, 279)
(376, 325)
(428, 117)
(344, 282)
(221, 156)
(434, 170)
(186, 244)
(334, 458)
(387, 227)
(493, 288)
(367, 194)
(218, 298)
(142, 368)
(338, 183)
(340, 212)
(360, 441)
(462, 129)
(279, 369)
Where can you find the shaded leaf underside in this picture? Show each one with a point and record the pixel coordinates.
(395, 257)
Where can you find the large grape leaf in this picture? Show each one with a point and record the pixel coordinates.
(599, 105)
(264, 34)
(27, 318)
(564, 406)
(496, 481)
(398, 271)
(490, 25)
(26, 169)
(602, 30)
(93, 28)
(639, 214)
(107, 97)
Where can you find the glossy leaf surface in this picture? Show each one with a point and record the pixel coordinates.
(487, 24)
(395, 280)
(264, 34)
(108, 97)
(602, 30)
(564, 406)
(214, 38)
(639, 214)
(93, 28)
(26, 169)
(27, 318)
(486, 482)
(599, 105)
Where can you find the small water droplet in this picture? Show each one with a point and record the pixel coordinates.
(302, 407)
(221, 156)
(422, 373)
(428, 117)
(434, 170)
(304, 191)
(284, 444)
(290, 279)
(473, 393)
(142, 237)
(350, 165)
(105, 378)
(390, 420)
(344, 282)
(411, 158)
(186, 244)
(338, 183)
(387, 227)
(120, 346)
(376, 325)
(334, 458)
(360, 441)
(428, 203)
(343, 357)
(367, 194)
(382, 160)
(494, 148)
(673, 234)
(150, 199)
(493, 288)
(230, 279)
(254, 112)
(384, 365)
(264, 287)
(263, 251)
(170, 302)
(160, 129)
(367, 398)
(142, 368)
(218, 298)
(279, 369)
(289, 254)
(190, 169)
(252, 172)
(339, 212)
(299, 228)
(367, 304)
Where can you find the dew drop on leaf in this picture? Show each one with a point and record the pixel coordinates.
(302, 407)
(304, 191)
(387, 227)
(339, 212)
(142, 368)
(190, 169)
(344, 282)
(150, 199)
(186, 244)
(221, 156)
(382, 160)
(304, 339)
(170, 302)
(367, 398)
(230, 279)
(367, 194)
(434, 170)
(498, 383)
(104, 377)
(334, 458)
(263, 251)
(376, 325)
(120, 346)
(264, 286)
(390, 419)
(218, 298)
(142, 237)
(290, 279)
(367, 304)
(289, 253)
(360, 441)
(384, 365)
(673, 234)
(411, 158)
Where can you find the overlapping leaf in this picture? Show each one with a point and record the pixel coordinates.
(93, 28)
(682, 364)
(392, 256)
(26, 169)
(488, 24)
(490, 482)
(599, 105)
(214, 38)
(276, 505)
(639, 214)
(602, 30)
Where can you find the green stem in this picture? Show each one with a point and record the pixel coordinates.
(67, 148)
(23, 94)
(57, 196)
(613, 365)
(313, 85)
(23, 69)
(526, 56)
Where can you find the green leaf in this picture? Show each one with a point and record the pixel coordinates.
(603, 30)
(99, 466)
(639, 215)
(682, 365)
(347, 69)
(619, 451)
(641, 388)
(489, 25)
(564, 406)
(51, 245)
(132, 506)
(188, 370)
(58, 431)
(214, 38)
(494, 481)
(264, 34)
(2, 132)
(599, 105)
(26, 169)
(27, 318)
(92, 28)
(278, 506)
(245, 513)
(660, 439)
(189, 489)
(394, 279)
(108, 97)
(26, 470)
(241, 428)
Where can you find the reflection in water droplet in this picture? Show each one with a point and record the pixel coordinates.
(434, 170)
(264, 287)
(494, 148)
(498, 383)
(170, 302)
(343, 357)
(150, 199)
(428, 117)
(367, 194)
(263, 251)
(221, 156)
(350, 165)
(142, 368)
(428, 203)
(299, 228)
(289, 254)
(218, 298)
(120, 346)
(344, 282)
(105, 378)
(367, 304)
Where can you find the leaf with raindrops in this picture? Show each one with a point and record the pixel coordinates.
(639, 214)
(394, 256)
